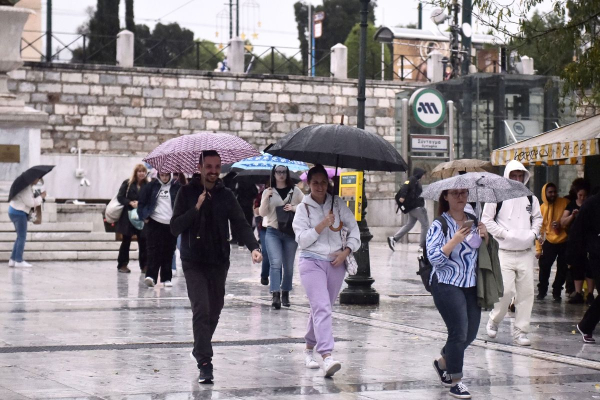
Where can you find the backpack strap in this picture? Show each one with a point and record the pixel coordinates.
(499, 206)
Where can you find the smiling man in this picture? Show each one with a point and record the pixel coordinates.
(202, 213)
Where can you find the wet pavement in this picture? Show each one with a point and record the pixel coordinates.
(80, 330)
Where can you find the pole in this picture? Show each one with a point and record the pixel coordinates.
(405, 135)
(450, 105)
(237, 18)
(312, 39)
(48, 30)
(382, 61)
(466, 41)
(420, 8)
(309, 69)
(359, 290)
(230, 19)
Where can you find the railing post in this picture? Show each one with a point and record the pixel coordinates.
(125, 49)
(84, 50)
(339, 61)
(401, 68)
(235, 56)
(272, 60)
(197, 55)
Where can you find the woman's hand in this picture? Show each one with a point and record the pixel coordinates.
(483, 233)
(461, 235)
(327, 221)
(340, 257)
(133, 204)
(288, 207)
(269, 192)
(43, 195)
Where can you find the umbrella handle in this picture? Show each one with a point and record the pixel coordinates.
(339, 228)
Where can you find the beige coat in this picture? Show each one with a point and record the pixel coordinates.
(268, 205)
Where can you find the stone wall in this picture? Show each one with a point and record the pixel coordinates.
(117, 111)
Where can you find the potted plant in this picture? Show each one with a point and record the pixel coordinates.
(12, 22)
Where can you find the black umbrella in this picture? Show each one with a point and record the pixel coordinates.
(27, 178)
(260, 175)
(341, 146)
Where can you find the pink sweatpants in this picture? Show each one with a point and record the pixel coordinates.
(322, 282)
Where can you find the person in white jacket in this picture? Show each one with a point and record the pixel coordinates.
(18, 211)
(515, 226)
(322, 262)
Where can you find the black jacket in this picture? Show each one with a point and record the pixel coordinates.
(584, 233)
(149, 195)
(126, 194)
(187, 220)
(411, 192)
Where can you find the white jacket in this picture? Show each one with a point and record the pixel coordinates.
(326, 243)
(24, 200)
(268, 206)
(518, 222)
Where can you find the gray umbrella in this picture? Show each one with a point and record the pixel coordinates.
(483, 187)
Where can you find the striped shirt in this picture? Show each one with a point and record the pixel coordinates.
(460, 268)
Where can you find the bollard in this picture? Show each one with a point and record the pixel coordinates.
(235, 56)
(125, 47)
(339, 61)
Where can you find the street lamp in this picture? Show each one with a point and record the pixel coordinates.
(359, 290)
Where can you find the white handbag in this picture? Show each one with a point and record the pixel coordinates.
(114, 209)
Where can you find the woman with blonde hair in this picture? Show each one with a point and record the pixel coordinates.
(128, 196)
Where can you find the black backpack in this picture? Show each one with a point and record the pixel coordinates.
(424, 265)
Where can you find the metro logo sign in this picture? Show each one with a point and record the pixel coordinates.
(429, 107)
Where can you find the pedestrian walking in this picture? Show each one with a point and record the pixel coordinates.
(453, 252)
(19, 208)
(552, 243)
(322, 262)
(261, 227)
(279, 203)
(579, 267)
(203, 210)
(155, 208)
(409, 200)
(182, 179)
(515, 224)
(585, 237)
(128, 196)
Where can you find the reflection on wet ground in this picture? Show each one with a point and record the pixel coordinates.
(82, 331)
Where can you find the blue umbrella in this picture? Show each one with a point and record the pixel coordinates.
(267, 162)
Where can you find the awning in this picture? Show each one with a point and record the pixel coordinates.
(569, 144)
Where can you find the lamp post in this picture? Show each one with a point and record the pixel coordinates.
(359, 290)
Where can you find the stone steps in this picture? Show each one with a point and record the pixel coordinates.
(67, 246)
(69, 255)
(51, 227)
(60, 236)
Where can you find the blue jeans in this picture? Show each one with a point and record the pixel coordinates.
(266, 266)
(282, 251)
(459, 309)
(19, 219)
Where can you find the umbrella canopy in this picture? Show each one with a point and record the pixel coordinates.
(267, 162)
(483, 187)
(339, 145)
(330, 174)
(261, 175)
(452, 168)
(181, 154)
(27, 178)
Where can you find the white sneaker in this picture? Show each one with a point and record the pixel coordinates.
(522, 340)
(149, 282)
(168, 284)
(23, 264)
(330, 366)
(491, 329)
(11, 263)
(309, 361)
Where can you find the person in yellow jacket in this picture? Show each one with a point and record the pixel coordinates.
(552, 243)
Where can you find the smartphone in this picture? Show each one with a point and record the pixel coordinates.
(468, 224)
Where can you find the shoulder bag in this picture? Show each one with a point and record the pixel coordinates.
(286, 218)
(114, 209)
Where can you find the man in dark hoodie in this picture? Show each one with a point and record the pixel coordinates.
(584, 236)
(203, 209)
(409, 200)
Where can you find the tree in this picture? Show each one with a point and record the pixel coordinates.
(340, 17)
(373, 61)
(101, 30)
(167, 46)
(129, 19)
(580, 76)
(204, 56)
(276, 63)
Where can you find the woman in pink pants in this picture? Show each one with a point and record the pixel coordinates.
(322, 262)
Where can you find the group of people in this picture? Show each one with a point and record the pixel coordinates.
(205, 214)
(565, 230)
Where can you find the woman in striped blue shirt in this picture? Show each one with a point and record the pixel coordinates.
(453, 257)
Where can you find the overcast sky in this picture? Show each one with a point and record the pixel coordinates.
(206, 17)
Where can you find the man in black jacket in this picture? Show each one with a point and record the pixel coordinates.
(202, 211)
(409, 200)
(584, 236)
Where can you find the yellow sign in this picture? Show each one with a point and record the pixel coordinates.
(10, 153)
(551, 154)
(351, 191)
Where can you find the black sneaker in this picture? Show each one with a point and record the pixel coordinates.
(557, 299)
(576, 299)
(590, 299)
(540, 296)
(206, 373)
(460, 391)
(391, 243)
(587, 337)
(264, 281)
(444, 378)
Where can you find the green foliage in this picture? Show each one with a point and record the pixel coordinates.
(276, 63)
(340, 17)
(203, 56)
(373, 59)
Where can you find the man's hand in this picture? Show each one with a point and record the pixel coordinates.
(538, 255)
(256, 256)
(401, 199)
(340, 257)
(201, 199)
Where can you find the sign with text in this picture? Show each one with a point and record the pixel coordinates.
(10, 153)
(429, 143)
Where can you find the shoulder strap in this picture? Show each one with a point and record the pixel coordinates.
(474, 218)
(499, 206)
(444, 223)
(530, 198)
